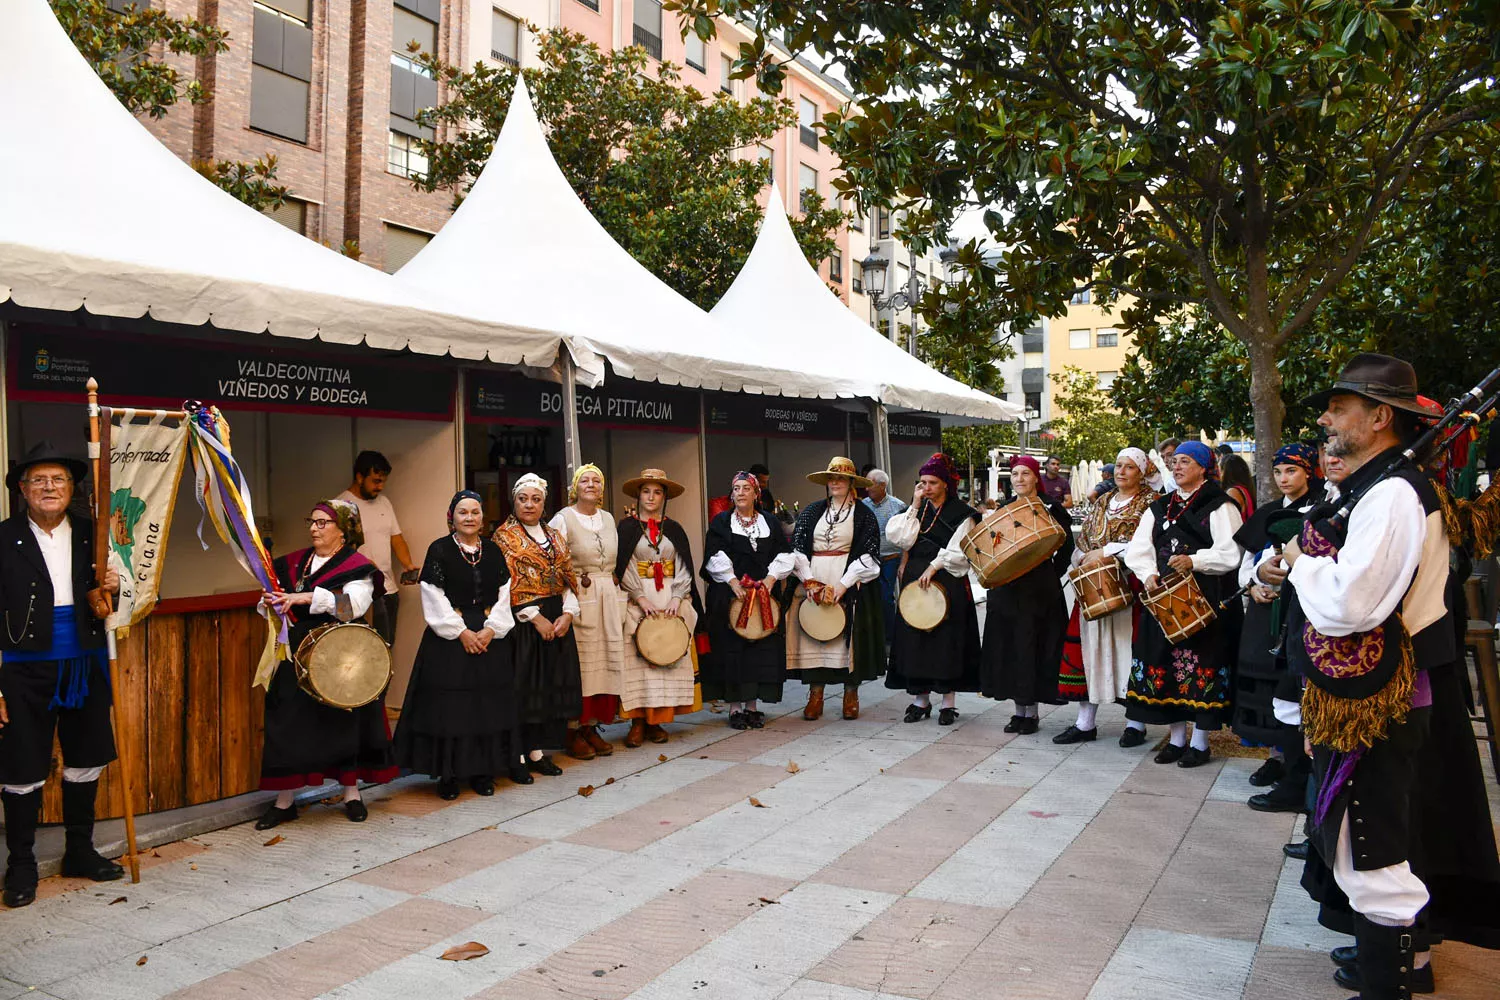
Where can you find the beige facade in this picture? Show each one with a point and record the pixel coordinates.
(1088, 337)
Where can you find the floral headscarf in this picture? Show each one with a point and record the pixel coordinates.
(532, 480)
(745, 477)
(346, 516)
(1303, 456)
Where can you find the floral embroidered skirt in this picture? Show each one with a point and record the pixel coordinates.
(1191, 681)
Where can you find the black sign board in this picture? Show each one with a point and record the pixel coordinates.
(50, 364)
(905, 428)
(621, 403)
(773, 416)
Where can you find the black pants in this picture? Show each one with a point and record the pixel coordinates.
(84, 733)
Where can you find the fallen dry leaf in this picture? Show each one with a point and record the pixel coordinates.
(192, 866)
(273, 841)
(791, 767)
(585, 790)
(662, 757)
(464, 952)
(117, 899)
(770, 902)
(609, 781)
(141, 960)
(757, 803)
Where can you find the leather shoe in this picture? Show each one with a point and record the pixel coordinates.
(545, 765)
(1345, 955)
(755, 719)
(1268, 773)
(18, 897)
(1297, 852)
(1195, 758)
(1075, 735)
(1132, 737)
(1015, 724)
(1029, 725)
(356, 811)
(1422, 980)
(656, 734)
(482, 784)
(947, 716)
(602, 747)
(579, 747)
(637, 734)
(274, 817)
(851, 702)
(814, 709)
(520, 774)
(1170, 754)
(1277, 801)
(736, 721)
(916, 713)
(447, 789)
(90, 864)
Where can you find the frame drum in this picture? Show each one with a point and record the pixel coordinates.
(344, 665)
(754, 629)
(1179, 607)
(662, 640)
(1012, 541)
(823, 622)
(923, 610)
(1102, 590)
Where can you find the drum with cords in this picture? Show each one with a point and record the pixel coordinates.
(1102, 590)
(343, 665)
(1012, 541)
(1178, 605)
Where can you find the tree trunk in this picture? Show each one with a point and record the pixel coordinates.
(1265, 402)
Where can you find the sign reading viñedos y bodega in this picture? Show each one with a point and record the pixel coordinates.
(53, 364)
(514, 399)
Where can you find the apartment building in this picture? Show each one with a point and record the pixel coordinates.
(1089, 337)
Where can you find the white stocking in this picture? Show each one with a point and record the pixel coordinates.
(1177, 734)
(1200, 739)
(1087, 711)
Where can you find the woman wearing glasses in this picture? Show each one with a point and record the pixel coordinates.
(308, 742)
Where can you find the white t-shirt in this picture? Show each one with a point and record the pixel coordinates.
(378, 518)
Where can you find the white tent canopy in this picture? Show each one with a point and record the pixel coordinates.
(524, 249)
(780, 299)
(87, 202)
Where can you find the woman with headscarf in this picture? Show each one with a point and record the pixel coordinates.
(1257, 676)
(655, 567)
(458, 721)
(1104, 643)
(306, 740)
(543, 598)
(944, 659)
(1025, 619)
(745, 555)
(1190, 530)
(592, 539)
(837, 545)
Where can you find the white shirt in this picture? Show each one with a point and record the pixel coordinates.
(447, 623)
(905, 528)
(1223, 556)
(721, 568)
(57, 552)
(377, 518)
(1253, 561)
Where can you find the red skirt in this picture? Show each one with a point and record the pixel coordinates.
(1072, 685)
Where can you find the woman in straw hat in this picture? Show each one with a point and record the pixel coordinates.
(745, 556)
(837, 549)
(655, 566)
(592, 539)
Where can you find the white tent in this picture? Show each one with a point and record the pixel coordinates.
(780, 300)
(95, 213)
(523, 249)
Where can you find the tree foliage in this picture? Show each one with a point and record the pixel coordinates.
(1237, 159)
(662, 167)
(1087, 425)
(252, 183)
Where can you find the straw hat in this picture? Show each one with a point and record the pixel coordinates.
(632, 487)
(839, 466)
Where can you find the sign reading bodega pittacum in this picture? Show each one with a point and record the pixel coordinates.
(507, 398)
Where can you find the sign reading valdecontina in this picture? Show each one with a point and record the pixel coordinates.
(146, 455)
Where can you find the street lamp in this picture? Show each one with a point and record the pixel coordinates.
(875, 267)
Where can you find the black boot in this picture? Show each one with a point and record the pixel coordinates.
(1385, 960)
(1289, 794)
(80, 860)
(21, 815)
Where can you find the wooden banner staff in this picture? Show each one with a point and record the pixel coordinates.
(99, 427)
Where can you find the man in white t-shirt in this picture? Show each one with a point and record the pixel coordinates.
(382, 536)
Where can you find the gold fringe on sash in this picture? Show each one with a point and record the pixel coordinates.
(1344, 724)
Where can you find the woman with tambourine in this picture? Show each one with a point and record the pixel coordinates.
(1102, 672)
(837, 546)
(745, 556)
(305, 740)
(458, 721)
(655, 567)
(1025, 619)
(939, 654)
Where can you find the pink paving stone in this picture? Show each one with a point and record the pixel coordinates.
(1032, 956)
(1128, 842)
(941, 761)
(1279, 973)
(1151, 778)
(413, 802)
(632, 951)
(635, 828)
(910, 948)
(417, 873)
(904, 852)
(320, 964)
(751, 743)
(988, 733)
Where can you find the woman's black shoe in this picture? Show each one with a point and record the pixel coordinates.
(916, 713)
(447, 789)
(1132, 737)
(947, 716)
(544, 766)
(1297, 852)
(1195, 758)
(1268, 773)
(1015, 724)
(1029, 725)
(1075, 735)
(275, 817)
(356, 811)
(482, 784)
(737, 720)
(755, 720)
(1170, 754)
(520, 774)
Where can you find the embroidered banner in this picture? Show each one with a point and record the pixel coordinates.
(146, 454)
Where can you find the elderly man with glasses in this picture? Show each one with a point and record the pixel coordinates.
(53, 671)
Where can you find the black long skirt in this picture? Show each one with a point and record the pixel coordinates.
(945, 659)
(1190, 681)
(1025, 624)
(1255, 681)
(308, 741)
(736, 669)
(459, 718)
(549, 690)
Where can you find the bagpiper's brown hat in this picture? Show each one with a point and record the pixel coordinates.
(632, 487)
(840, 466)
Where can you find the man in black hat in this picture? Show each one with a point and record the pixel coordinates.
(1368, 617)
(53, 671)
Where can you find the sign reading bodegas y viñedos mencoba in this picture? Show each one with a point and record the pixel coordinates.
(52, 364)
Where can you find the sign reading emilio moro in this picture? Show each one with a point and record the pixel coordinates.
(905, 428)
(504, 398)
(54, 364)
(773, 416)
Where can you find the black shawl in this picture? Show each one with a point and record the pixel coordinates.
(866, 531)
(631, 529)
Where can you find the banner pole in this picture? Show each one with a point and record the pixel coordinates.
(99, 457)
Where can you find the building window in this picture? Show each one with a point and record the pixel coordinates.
(404, 158)
(807, 182)
(903, 279)
(1078, 339)
(1107, 337)
(807, 118)
(697, 52)
(505, 38)
(292, 214)
(726, 74)
(884, 326)
(836, 268)
(590, 4)
(647, 27)
(768, 157)
(856, 218)
(882, 224)
(412, 85)
(407, 28)
(401, 245)
(857, 278)
(1080, 297)
(281, 71)
(1033, 405)
(1107, 379)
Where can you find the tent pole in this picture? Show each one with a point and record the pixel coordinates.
(4, 416)
(703, 451)
(881, 425)
(571, 457)
(460, 431)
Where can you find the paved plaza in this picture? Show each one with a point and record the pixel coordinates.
(829, 860)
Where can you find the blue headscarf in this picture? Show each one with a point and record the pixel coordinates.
(1200, 453)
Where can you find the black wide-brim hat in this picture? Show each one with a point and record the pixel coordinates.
(46, 453)
(1378, 377)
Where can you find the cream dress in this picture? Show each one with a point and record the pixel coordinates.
(648, 686)
(600, 629)
(802, 651)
